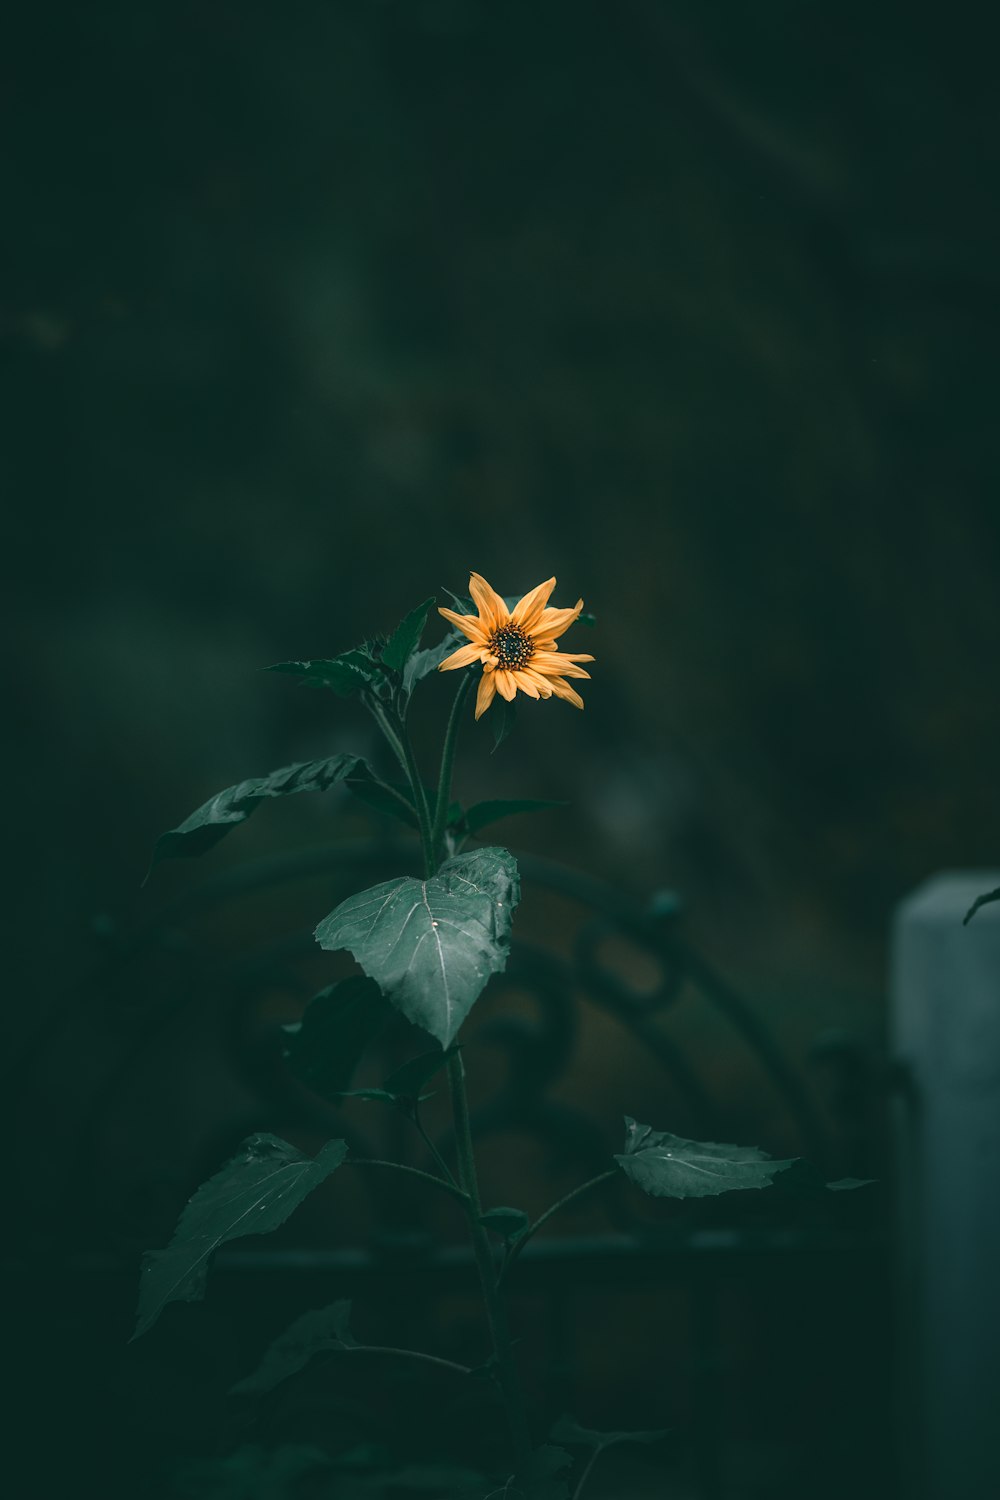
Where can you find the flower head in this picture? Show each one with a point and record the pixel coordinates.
(517, 647)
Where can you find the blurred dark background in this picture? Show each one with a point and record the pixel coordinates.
(308, 310)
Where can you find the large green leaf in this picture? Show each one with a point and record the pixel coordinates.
(667, 1166)
(406, 637)
(325, 1047)
(323, 1330)
(215, 818)
(431, 945)
(252, 1194)
(481, 814)
(349, 673)
(983, 900)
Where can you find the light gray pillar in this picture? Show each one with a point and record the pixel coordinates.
(945, 1040)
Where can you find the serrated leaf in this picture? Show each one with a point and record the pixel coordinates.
(324, 1049)
(408, 1081)
(223, 812)
(503, 723)
(667, 1166)
(481, 814)
(253, 1193)
(509, 1223)
(322, 1330)
(983, 900)
(349, 673)
(406, 636)
(566, 1430)
(432, 945)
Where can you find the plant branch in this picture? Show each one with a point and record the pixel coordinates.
(397, 1166)
(533, 1229)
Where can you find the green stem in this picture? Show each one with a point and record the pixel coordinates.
(586, 1473)
(496, 1314)
(533, 1229)
(447, 762)
(397, 1166)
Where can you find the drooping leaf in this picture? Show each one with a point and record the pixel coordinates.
(322, 1330)
(408, 1081)
(481, 814)
(406, 636)
(566, 1430)
(667, 1166)
(983, 900)
(325, 1047)
(252, 1194)
(508, 1223)
(431, 945)
(215, 818)
(349, 673)
(504, 721)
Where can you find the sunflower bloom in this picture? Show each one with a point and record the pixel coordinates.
(517, 647)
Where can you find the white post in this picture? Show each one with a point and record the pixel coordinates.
(945, 1041)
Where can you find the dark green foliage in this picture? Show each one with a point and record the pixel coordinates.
(406, 637)
(408, 1081)
(325, 1047)
(422, 663)
(322, 1330)
(505, 717)
(252, 1194)
(215, 818)
(667, 1166)
(508, 1223)
(391, 798)
(345, 675)
(431, 945)
(983, 900)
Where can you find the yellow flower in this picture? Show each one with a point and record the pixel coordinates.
(517, 647)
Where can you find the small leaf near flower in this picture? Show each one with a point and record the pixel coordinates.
(406, 637)
(518, 647)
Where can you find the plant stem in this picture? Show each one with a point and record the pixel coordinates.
(586, 1473)
(419, 801)
(397, 1166)
(533, 1229)
(447, 762)
(496, 1315)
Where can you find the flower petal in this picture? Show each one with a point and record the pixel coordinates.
(540, 682)
(487, 692)
(556, 664)
(506, 684)
(525, 683)
(463, 657)
(471, 625)
(563, 690)
(528, 611)
(492, 609)
(555, 621)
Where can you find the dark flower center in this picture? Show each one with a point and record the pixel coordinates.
(511, 647)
